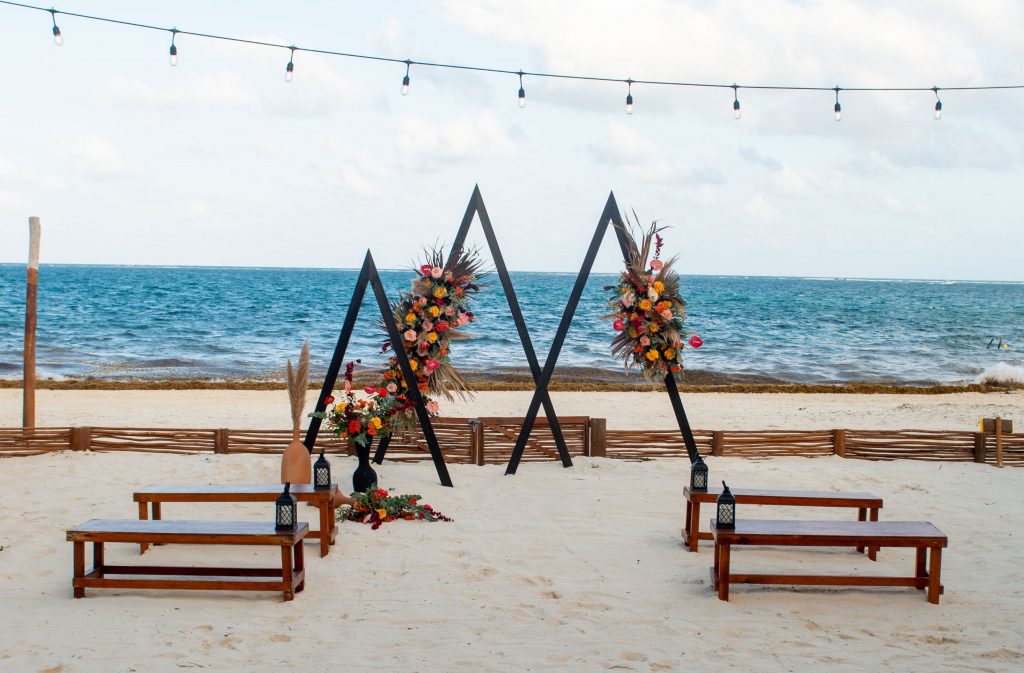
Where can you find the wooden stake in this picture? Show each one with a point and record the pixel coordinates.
(28, 417)
(999, 441)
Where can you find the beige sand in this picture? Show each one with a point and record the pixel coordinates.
(711, 411)
(554, 569)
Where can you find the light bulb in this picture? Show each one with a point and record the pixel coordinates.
(839, 112)
(58, 39)
(522, 97)
(174, 55)
(736, 109)
(629, 104)
(938, 109)
(289, 72)
(405, 86)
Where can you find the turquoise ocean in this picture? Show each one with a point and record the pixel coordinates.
(158, 323)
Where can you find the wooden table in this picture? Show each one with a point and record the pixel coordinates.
(321, 498)
(867, 505)
(920, 535)
(289, 578)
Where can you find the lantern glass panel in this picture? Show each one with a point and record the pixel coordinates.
(726, 514)
(321, 472)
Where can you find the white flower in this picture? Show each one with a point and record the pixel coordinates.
(652, 294)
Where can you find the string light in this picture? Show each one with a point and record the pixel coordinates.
(174, 49)
(629, 96)
(405, 80)
(58, 39)
(522, 91)
(289, 70)
(735, 102)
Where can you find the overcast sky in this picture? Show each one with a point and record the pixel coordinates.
(219, 161)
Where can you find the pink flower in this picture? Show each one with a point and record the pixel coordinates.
(695, 341)
(410, 335)
(425, 269)
(666, 314)
(370, 390)
(450, 311)
(392, 388)
(433, 407)
(644, 341)
(436, 272)
(656, 264)
(463, 320)
(423, 301)
(427, 325)
(432, 365)
(618, 325)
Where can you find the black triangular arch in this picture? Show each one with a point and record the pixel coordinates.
(368, 276)
(609, 215)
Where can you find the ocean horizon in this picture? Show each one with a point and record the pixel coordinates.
(128, 322)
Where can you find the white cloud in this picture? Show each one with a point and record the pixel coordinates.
(202, 89)
(96, 158)
(469, 137)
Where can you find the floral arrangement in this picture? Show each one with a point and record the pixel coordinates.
(377, 506)
(363, 419)
(428, 317)
(647, 309)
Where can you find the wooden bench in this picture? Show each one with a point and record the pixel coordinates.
(867, 506)
(154, 496)
(289, 578)
(872, 534)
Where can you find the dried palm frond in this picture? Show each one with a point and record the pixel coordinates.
(298, 383)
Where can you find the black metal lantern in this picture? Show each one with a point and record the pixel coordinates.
(321, 472)
(698, 475)
(286, 510)
(726, 509)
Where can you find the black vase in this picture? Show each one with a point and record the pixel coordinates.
(364, 477)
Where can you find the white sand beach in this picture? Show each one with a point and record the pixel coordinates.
(711, 411)
(553, 569)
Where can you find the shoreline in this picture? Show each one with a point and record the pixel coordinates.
(570, 379)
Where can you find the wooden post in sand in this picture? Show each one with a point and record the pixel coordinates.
(28, 415)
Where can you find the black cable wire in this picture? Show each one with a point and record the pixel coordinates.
(503, 71)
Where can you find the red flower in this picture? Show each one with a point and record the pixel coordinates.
(441, 326)
(382, 392)
(425, 269)
(369, 390)
(382, 493)
(695, 342)
(412, 501)
(618, 325)
(354, 427)
(329, 400)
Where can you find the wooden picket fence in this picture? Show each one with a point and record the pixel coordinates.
(490, 440)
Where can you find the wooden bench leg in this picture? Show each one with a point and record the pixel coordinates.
(723, 572)
(157, 511)
(334, 522)
(79, 552)
(934, 568)
(686, 524)
(286, 572)
(862, 515)
(97, 558)
(920, 572)
(143, 515)
(695, 526)
(873, 551)
(300, 564)
(325, 527)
